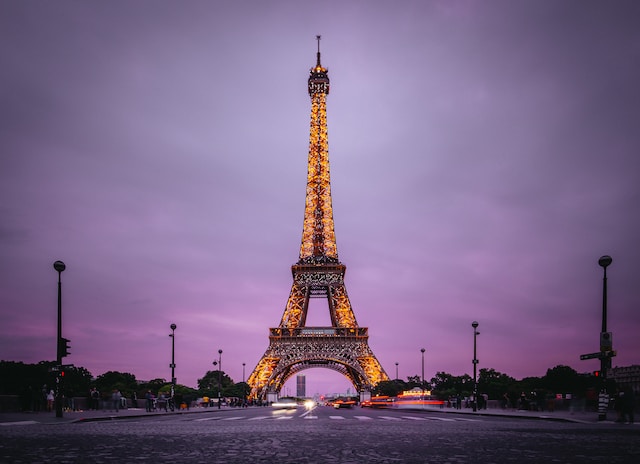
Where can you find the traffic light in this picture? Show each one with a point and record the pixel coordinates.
(596, 373)
(63, 347)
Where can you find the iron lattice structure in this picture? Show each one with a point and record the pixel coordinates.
(293, 346)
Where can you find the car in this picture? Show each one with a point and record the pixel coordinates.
(343, 404)
(285, 403)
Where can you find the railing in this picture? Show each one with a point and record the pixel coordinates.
(281, 332)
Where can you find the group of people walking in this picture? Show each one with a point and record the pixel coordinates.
(114, 403)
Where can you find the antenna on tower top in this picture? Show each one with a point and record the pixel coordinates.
(318, 39)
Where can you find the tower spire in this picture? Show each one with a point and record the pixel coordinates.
(318, 37)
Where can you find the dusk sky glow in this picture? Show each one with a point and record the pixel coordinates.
(484, 155)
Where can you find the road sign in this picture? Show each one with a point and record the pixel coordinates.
(606, 341)
(598, 355)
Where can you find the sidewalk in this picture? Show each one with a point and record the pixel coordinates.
(26, 418)
(585, 417)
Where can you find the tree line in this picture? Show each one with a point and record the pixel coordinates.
(30, 381)
(558, 380)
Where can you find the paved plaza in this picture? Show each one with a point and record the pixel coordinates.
(321, 435)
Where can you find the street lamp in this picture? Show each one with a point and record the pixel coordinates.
(244, 392)
(474, 324)
(605, 344)
(422, 350)
(396, 371)
(59, 266)
(173, 352)
(219, 375)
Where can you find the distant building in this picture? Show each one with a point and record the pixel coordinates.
(628, 376)
(301, 386)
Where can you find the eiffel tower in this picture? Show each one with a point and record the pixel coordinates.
(293, 346)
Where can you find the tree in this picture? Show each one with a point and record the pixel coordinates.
(15, 377)
(77, 381)
(179, 390)
(414, 381)
(112, 380)
(31, 381)
(209, 384)
(563, 379)
(446, 385)
(154, 385)
(238, 390)
(389, 388)
(494, 383)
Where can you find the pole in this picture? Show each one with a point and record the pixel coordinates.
(474, 324)
(605, 361)
(396, 371)
(173, 353)
(219, 376)
(422, 350)
(604, 300)
(59, 266)
(244, 391)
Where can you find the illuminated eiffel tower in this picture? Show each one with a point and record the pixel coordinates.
(293, 346)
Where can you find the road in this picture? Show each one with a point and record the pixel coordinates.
(321, 435)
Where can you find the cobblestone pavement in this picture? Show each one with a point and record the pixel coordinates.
(324, 435)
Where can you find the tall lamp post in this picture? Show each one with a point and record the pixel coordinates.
(59, 266)
(474, 324)
(219, 375)
(244, 392)
(605, 344)
(396, 371)
(422, 350)
(173, 353)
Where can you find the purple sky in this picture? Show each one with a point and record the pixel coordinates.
(484, 155)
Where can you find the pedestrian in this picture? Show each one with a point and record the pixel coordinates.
(619, 405)
(94, 394)
(628, 405)
(522, 402)
(134, 400)
(116, 397)
(50, 398)
(505, 401)
(149, 400)
(43, 397)
(162, 401)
